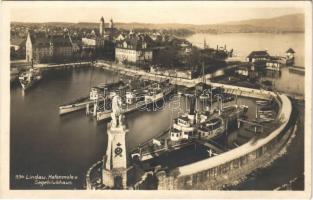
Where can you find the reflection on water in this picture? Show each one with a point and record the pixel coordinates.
(288, 81)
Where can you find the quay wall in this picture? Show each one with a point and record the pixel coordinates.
(241, 91)
(246, 92)
(25, 65)
(63, 65)
(205, 174)
(91, 173)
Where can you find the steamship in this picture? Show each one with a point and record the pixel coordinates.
(30, 77)
(189, 128)
(140, 99)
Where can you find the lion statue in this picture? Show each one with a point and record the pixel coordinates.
(117, 111)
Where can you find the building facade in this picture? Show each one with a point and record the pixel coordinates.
(102, 42)
(257, 56)
(134, 49)
(43, 48)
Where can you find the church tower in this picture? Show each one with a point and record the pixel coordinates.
(111, 24)
(114, 173)
(102, 27)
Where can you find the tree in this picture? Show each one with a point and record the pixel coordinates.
(168, 58)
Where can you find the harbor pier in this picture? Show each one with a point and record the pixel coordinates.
(213, 173)
(225, 165)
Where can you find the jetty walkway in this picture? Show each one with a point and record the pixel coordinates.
(150, 76)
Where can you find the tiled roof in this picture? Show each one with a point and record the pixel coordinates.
(17, 41)
(257, 54)
(44, 40)
(136, 41)
(290, 50)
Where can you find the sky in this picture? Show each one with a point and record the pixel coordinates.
(150, 12)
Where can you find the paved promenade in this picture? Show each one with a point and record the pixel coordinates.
(147, 75)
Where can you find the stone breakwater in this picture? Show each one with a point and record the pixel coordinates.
(231, 166)
(214, 173)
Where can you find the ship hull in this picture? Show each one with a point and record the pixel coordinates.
(203, 135)
(106, 115)
(26, 86)
(72, 108)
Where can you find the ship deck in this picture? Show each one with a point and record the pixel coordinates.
(191, 153)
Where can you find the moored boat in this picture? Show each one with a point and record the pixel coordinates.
(190, 128)
(140, 99)
(96, 94)
(30, 77)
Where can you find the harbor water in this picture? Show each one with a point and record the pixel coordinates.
(43, 143)
(289, 166)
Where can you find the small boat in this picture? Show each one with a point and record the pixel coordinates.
(30, 77)
(262, 103)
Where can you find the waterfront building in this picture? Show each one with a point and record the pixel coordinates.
(257, 56)
(290, 56)
(273, 65)
(243, 70)
(94, 42)
(134, 49)
(181, 44)
(248, 71)
(42, 47)
(290, 53)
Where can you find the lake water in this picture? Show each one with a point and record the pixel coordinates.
(244, 43)
(283, 169)
(44, 143)
(276, 44)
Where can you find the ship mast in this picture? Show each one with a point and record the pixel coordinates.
(203, 77)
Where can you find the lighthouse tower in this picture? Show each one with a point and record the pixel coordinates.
(290, 56)
(102, 27)
(114, 173)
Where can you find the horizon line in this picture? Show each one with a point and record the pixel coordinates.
(162, 23)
